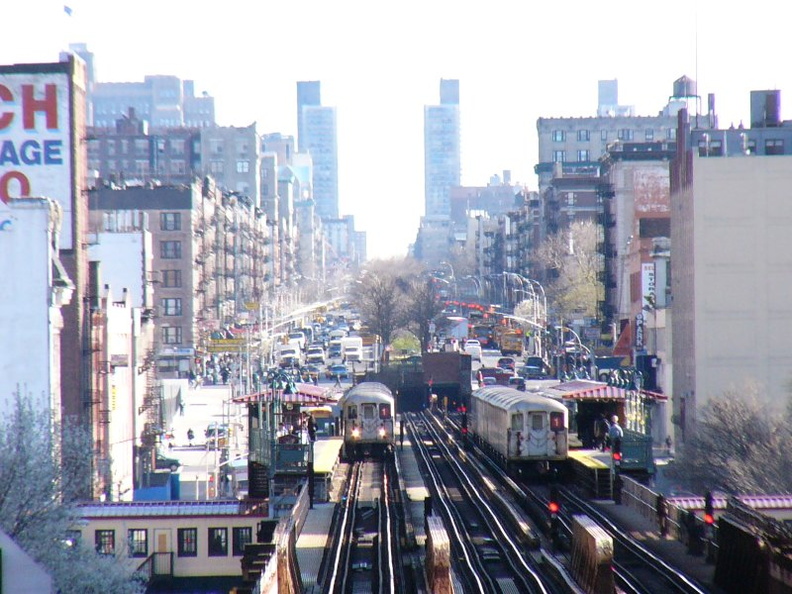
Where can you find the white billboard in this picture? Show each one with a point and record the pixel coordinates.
(35, 141)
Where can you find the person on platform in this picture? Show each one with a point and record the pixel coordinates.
(615, 431)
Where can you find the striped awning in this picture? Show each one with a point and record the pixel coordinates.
(588, 390)
(307, 394)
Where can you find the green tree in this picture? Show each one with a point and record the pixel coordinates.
(39, 479)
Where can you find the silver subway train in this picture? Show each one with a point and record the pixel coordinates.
(367, 421)
(521, 430)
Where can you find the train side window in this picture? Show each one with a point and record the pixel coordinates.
(352, 412)
(556, 421)
(537, 422)
(517, 422)
(368, 411)
(384, 411)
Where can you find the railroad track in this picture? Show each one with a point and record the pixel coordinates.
(637, 569)
(366, 556)
(492, 554)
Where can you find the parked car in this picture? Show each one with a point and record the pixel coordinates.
(216, 432)
(165, 463)
(337, 370)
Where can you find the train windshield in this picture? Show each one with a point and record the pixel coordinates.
(517, 422)
(368, 411)
(537, 422)
(384, 411)
(352, 412)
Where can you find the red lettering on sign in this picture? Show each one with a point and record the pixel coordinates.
(48, 105)
(7, 117)
(5, 182)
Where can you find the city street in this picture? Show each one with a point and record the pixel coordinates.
(200, 461)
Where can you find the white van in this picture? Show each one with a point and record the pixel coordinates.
(473, 348)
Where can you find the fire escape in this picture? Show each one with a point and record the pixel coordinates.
(152, 408)
(606, 300)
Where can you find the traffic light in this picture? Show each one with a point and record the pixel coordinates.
(554, 505)
(617, 451)
(709, 508)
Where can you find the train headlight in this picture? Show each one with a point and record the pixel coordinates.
(355, 433)
(382, 432)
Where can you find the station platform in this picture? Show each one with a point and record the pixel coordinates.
(671, 550)
(414, 487)
(313, 540)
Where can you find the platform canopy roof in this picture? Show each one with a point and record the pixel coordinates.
(589, 390)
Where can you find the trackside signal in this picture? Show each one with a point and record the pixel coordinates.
(709, 508)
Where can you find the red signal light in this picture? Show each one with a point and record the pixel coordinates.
(464, 430)
(617, 456)
(553, 507)
(709, 519)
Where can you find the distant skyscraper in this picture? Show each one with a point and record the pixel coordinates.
(308, 93)
(442, 160)
(316, 125)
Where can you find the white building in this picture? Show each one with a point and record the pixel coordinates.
(125, 263)
(35, 289)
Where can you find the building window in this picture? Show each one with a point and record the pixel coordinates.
(171, 335)
(178, 167)
(649, 135)
(177, 146)
(243, 166)
(774, 146)
(671, 134)
(625, 134)
(750, 147)
(558, 135)
(558, 156)
(170, 250)
(172, 306)
(242, 535)
(218, 542)
(170, 221)
(188, 542)
(171, 279)
(583, 135)
(216, 167)
(138, 542)
(583, 155)
(105, 542)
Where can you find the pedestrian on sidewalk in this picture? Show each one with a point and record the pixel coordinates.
(190, 436)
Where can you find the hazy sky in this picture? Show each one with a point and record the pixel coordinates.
(381, 62)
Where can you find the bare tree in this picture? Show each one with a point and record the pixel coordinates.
(424, 307)
(572, 255)
(39, 480)
(741, 445)
(380, 295)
